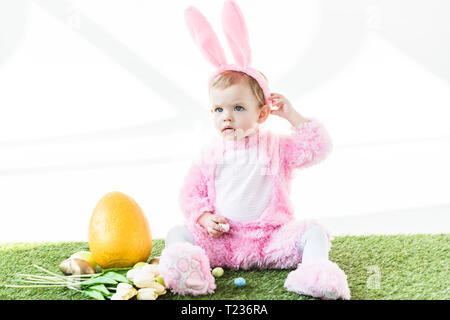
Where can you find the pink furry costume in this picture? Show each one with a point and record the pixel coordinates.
(270, 240)
(273, 239)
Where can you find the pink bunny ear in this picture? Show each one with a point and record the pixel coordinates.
(235, 29)
(204, 37)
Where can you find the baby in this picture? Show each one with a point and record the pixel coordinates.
(235, 197)
(239, 194)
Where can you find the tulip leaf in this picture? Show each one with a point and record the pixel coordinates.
(116, 276)
(100, 288)
(94, 294)
(98, 280)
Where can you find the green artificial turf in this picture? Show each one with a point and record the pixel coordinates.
(378, 267)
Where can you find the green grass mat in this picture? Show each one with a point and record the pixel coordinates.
(378, 267)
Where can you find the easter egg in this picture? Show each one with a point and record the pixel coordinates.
(217, 272)
(225, 226)
(239, 282)
(85, 255)
(119, 233)
(139, 265)
(160, 280)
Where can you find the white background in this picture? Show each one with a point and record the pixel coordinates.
(98, 96)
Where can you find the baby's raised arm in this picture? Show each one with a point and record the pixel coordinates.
(309, 142)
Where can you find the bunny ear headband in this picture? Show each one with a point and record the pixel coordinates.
(236, 33)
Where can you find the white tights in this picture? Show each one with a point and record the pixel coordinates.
(179, 233)
(314, 243)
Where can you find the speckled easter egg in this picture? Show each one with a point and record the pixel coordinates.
(119, 233)
(217, 272)
(239, 282)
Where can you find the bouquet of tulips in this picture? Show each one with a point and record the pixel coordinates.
(143, 281)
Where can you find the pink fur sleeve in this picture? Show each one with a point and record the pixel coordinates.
(308, 144)
(193, 197)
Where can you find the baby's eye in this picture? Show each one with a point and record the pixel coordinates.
(241, 108)
(218, 109)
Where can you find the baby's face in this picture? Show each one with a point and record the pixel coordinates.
(236, 107)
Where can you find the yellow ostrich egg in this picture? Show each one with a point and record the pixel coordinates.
(119, 233)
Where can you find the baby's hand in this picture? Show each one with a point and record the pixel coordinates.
(284, 109)
(211, 222)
